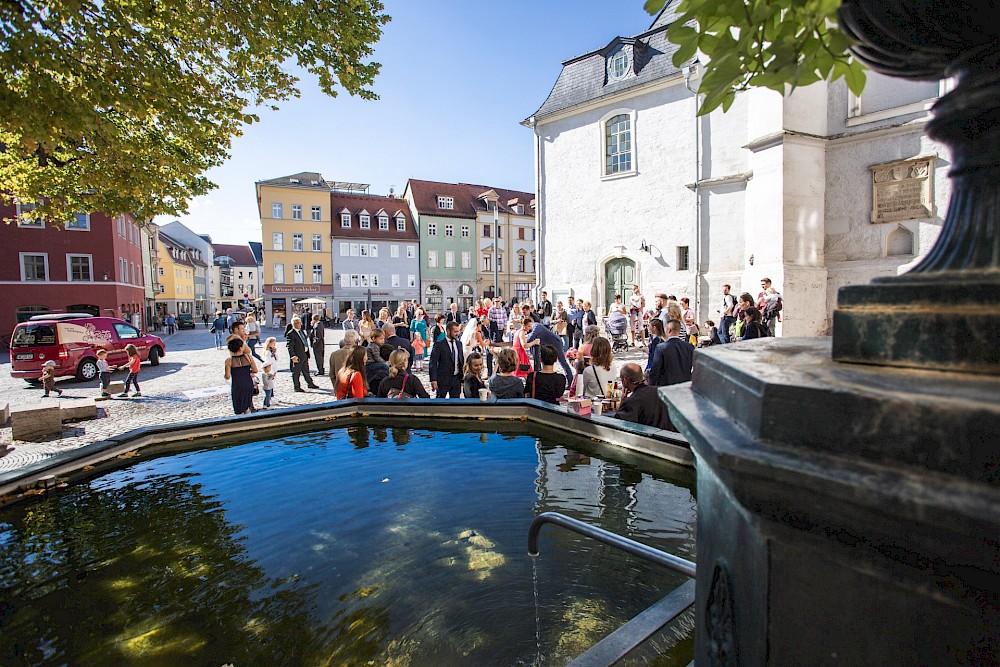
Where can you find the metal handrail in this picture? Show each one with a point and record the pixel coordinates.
(638, 549)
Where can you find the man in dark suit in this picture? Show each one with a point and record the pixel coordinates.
(642, 404)
(398, 341)
(673, 358)
(297, 343)
(318, 339)
(453, 315)
(447, 365)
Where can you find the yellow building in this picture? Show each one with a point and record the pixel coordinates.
(295, 221)
(175, 277)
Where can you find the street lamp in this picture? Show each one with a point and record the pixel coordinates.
(496, 247)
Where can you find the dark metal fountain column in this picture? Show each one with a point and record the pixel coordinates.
(849, 513)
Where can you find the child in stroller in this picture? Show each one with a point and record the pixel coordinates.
(616, 325)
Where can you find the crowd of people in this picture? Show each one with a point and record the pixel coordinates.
(516, 350)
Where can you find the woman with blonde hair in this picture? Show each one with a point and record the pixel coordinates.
(351, 381)
(252, 329)
(594, 379)
(367, 325)
(674, 312)
(399, 383)
(384, 315)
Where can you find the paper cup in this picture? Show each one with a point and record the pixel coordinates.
(597, 408)
(484, 394)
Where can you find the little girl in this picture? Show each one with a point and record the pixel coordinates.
(267, 381)
(103, 372)
(418, 351)
(271, 355)
(133, 371)
(49, 378)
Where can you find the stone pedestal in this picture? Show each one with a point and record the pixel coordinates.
(848, 514)
(77, 409)
(35, 423)
(116, 387)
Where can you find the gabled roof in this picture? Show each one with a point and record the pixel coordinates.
(310, 180)
(240, 254)
(357, 204)
(467, 198)
(583, 78)
(170, 242)
(257, 248)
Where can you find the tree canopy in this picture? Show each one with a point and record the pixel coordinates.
(122, 105)
(777, 44)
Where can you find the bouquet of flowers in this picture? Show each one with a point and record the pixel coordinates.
(571, 354)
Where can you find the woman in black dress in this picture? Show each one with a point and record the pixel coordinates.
(473, 380)
(240, 367)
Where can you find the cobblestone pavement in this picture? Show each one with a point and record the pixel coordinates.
(191, 363)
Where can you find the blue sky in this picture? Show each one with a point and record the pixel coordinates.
(457, 78)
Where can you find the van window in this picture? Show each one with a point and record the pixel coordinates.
(33, 335)
(125, 331)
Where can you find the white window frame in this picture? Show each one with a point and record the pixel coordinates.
(69, 267)
(449, 230)
(466, 231)
(37, 224)
(298, 242)
(395, 280)
(487, 262)
(411, 252)
(449, 259)
(373, 280)
(602, 128)
(521, 264)
(277, 210)
(411, 280)
(44, 255)
(345, 220)
(400, 224)
(316, 213)
(345, 249)
(296, 211)
(279, 274)
(447, 203)
(355, 250)
(298, 274)
(432, 259)
(366, 221)
(345, 280)
(466, 259)
(317, 270)
(394, 251)
(364, 280)
(355, 280)
(373, 250)
(383, 223)
(363, 248)
(278, 241)
(317, 243)
(84, 228)
(432, 229)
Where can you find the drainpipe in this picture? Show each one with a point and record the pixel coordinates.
(532, 123)
(697, 195)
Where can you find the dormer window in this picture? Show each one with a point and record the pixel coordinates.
(345, 220)
(383, 223)
(446, 203)
(366, 220)
(400, 224)
(619, 63)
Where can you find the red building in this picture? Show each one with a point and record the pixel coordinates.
(93, 265)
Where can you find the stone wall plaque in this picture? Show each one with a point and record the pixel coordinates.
(903, 190)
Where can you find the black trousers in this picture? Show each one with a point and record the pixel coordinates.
(450, 387)
(301, 369)
(320, 353)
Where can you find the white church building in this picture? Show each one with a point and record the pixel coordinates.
(815, 190)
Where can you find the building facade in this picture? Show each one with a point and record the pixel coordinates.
(93, 264)
(175, 273)
(203, 258)
(505, 238)
(238, 274)
(814, 190)
(257, 248)
(376, 250)
(295, 221)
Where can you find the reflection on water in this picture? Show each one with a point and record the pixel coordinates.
(357, 546)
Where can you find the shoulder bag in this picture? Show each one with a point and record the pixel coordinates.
(401, 392)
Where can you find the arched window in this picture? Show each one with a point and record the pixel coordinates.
(465, 297)
(25, 312)
(84, 308)
(899, 242)
(618, 144)
(433, 299)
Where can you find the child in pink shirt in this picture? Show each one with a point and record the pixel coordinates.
(418, 351)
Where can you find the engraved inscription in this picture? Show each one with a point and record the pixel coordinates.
(902, 190)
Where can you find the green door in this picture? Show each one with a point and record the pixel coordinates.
(619, 276)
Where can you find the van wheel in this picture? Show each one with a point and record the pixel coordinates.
(154, 356)
(87, 370)
(33, 381)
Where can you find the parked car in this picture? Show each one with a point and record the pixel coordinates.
(72, 341)
(185, 321)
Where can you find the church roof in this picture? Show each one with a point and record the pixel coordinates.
(583, 79)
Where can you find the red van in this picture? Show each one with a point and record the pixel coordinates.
(72, 341)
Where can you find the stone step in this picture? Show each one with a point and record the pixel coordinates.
(116, 387)
(33, 423)
(77, 409)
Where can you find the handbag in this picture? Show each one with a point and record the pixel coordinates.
(401, 392)
(524, 368)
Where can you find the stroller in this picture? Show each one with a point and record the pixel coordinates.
(617, 327)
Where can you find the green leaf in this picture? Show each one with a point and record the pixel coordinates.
(654, 6)
(855, 77)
